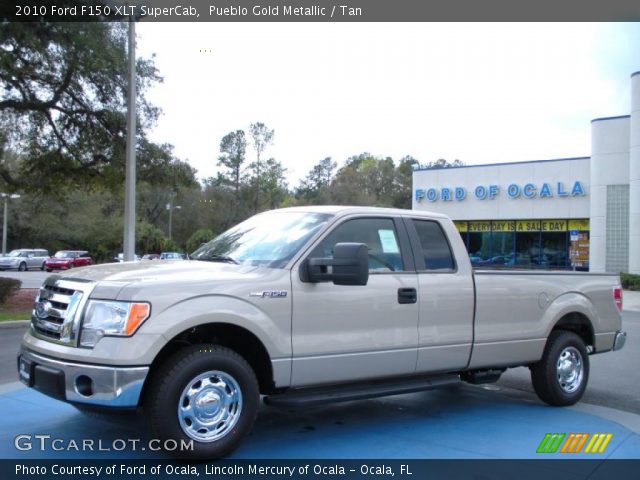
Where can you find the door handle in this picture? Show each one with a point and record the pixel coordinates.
(407, 295)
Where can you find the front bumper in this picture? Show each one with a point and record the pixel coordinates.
(620, 340)
(118, 387)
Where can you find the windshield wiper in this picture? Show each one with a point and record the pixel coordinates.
(220, 258)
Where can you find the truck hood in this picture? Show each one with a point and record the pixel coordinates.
(152, 271)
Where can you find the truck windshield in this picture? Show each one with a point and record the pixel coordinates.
(269, 240)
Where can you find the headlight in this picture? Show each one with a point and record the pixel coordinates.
(111, 318)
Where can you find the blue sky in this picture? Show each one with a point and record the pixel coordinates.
(482, 93)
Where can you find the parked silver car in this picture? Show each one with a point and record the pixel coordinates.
(24, 259)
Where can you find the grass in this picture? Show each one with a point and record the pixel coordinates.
(24, 315)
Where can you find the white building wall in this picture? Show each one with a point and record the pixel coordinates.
(609, 166)
(634, 177)
(501, 207)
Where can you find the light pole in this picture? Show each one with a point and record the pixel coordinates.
(6, 197)
(130, 170)
(171, 208)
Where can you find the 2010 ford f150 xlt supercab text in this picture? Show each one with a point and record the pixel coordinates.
(305, 306)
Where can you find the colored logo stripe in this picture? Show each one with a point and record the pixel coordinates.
(574, 442)
(598, 443)
(550, 443)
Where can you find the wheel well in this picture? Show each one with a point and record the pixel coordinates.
(238, 339)
(578, 324)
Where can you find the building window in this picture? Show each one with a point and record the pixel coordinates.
(545, 244)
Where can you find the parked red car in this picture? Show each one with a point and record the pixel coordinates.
(66, 259)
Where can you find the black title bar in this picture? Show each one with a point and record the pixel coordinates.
(320, 10)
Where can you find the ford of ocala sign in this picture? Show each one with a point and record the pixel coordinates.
(513, 190)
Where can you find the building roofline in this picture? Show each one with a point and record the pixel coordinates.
(505, 163)
(610, 118)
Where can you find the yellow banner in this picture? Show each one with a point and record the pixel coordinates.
(554, 225)
(503, 226)
(479, 226)
(461, 226)
(580, 225)
(527, 225)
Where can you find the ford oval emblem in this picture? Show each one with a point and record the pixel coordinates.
(42, 309)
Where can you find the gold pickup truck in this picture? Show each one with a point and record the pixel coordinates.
(306, 306)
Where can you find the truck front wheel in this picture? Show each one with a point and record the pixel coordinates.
(206, 396)
(560, 377)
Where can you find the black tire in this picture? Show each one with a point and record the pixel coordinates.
(165, 398)
(561, 386)
(22, 267)
(42, 267)
(49, 270)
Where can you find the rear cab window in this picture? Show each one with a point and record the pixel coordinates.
(436, 252)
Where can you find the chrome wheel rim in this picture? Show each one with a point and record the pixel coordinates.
(210, 406)
(570, 369)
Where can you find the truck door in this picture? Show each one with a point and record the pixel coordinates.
(446, 297)
(342, 333)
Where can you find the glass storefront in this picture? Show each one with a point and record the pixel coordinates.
(545, 244)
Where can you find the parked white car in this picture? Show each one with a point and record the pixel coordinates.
(24, 259)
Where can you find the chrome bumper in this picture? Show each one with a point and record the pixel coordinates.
(621, 338)
(82, 383)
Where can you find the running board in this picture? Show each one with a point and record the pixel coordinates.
(308, 397)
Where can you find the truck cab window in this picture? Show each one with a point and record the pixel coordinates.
(379, 234)
(435, 248)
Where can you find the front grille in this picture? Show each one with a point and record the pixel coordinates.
(53, 306)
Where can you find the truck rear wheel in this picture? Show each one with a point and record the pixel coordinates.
(207, 395)
(560, 377)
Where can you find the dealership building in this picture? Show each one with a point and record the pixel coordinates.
(571, 213)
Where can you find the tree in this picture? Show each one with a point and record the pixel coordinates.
(233, 148)
(442, 163)
(404, 181)
(313, 188)
(199, 237)
(261, 137)
(63, 102)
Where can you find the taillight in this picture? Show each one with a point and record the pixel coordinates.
(617, 297)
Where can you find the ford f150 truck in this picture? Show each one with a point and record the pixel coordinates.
(306, 306)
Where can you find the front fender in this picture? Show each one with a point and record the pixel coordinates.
(272, 328)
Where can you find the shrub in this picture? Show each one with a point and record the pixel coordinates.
(8, 286)
(630, 281)
(198, 238)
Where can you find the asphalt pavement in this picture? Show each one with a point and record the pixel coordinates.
(29, 279)
(614, 378)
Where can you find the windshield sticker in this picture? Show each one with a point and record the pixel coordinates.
(388, 241)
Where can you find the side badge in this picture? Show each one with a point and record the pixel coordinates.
(270, 294)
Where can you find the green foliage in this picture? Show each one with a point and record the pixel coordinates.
(149, 239)
(233, 147)
(313, 189)
(203, 235)
(62, 104)
(8, 286)
(630, 281)
(170, 246)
